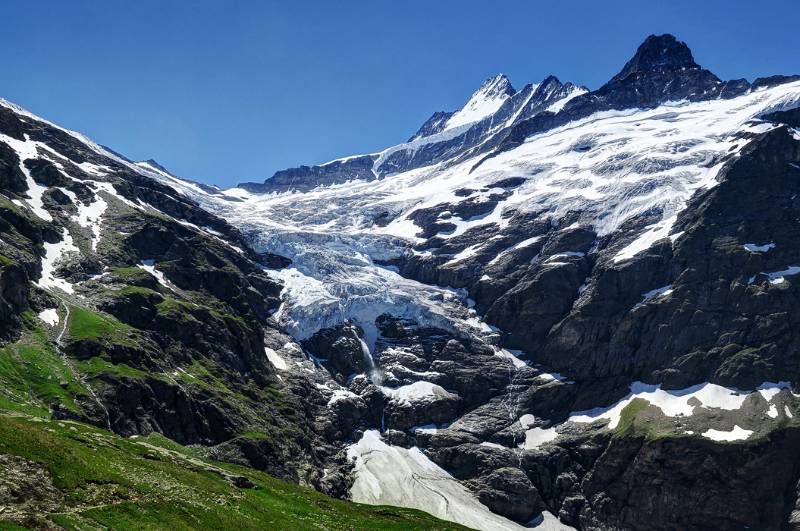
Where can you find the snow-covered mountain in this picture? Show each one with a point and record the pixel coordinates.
(490, 113)
(569, 225)
(551, 308)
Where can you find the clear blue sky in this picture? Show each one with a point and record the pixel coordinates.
(229, 91)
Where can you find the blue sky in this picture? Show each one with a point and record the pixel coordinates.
(229, 91)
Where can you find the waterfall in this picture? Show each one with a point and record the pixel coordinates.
(372, 371)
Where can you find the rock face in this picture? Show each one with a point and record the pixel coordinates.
(342, 349)
(719, 289)
(11, 177)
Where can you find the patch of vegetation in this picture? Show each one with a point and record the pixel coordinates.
(202, 373)
(86, 324)
(130, 290)
(129, 273)
(254, 435)
(34, 377)
(230, 320)
(153, 483)
(102, 365)
(206, 375)
(176, 310)
(10, 526)
(7, 204)
(627, 421)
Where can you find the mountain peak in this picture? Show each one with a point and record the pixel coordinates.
(484, 101)
(658, 53)
(549, 85)
(495, 86)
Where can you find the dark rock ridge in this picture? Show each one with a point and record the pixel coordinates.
(662, 54)
(308, 177)
(481, 136)
(496, 87)
(433, 125)
(152, 164)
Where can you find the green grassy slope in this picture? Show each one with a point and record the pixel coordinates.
(93, 479)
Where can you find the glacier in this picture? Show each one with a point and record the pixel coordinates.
(609, 167)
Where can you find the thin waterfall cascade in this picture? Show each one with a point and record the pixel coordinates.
(372, 371)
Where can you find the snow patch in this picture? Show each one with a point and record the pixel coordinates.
(645, 240)
(150, 267)
(574, 93)
(755, 248)
(536, 437)
(427, 429)
(675, 403)
(769, 390)
(417, 392)
(90, 217)
(778, 277)
(463, 255)
(485, 101)
(341, 394)
(505, 353)
(554, 376)
(736, 434)
(277, 361)
(28, 150)
(54, 253)
(50, 316)
(657, 293)
(389, 475)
